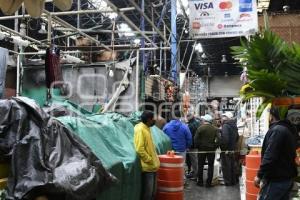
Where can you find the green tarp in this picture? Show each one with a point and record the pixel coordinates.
(110, 136)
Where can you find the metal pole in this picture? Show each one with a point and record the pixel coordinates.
(181, 34)
(16, 29)
(141, 11)
(68, 13)
(64, 23)
(90, 11)
(116, 31)
(207, 85)
(18, 76)
(130, 23)
(163, 20)
(160, 58)
(49, 29)
(183, 10)
(153, 29)
(137, 80)
(187, 67)
(78, 16)
(76, 52)
(17, 33)
(174, 41)
(142, 27)
(165, 52)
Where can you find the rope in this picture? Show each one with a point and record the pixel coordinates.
(202, 152)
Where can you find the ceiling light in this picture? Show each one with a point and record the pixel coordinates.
(224, 60)
(137, 41)
(111, 73)
(113, 15)
(286, 8)
(198, 47)
(43, 28)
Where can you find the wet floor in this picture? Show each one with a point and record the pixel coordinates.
(218, 192)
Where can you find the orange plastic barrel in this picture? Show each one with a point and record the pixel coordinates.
(252, 166)
(170, 177)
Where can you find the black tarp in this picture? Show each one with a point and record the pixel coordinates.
(46, 158)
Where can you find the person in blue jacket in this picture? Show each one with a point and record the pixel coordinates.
(179, 133)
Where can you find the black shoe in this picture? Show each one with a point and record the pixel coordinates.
(189, 176)
(208, 185)
(200, 184)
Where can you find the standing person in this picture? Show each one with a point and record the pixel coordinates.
(145, 149)
(193, 125)
(179, 133)
(277, 168)
(160, 122)
(206, 140)
(229, 139)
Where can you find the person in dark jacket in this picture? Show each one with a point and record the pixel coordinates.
(192, 156)
(278, 168)
(179, 133)
(229, 139)
(206, 141)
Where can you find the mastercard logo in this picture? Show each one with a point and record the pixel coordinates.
(196, 25)
(225, 5)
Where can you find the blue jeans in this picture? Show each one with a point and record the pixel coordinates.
(148, 185)
(276, 190)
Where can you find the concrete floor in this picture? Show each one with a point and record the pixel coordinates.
(218, 192)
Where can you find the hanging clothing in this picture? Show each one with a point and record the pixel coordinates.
(52, 67)
(3, 67)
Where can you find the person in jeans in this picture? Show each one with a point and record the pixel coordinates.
(193, 125)
(278, 169)
(179, 133)
(145, 149)
(206, 141)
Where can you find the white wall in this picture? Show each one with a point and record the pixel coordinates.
(221, 86)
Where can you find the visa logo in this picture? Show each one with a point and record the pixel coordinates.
(203, 6)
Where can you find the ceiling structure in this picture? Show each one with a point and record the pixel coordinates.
(99, 27)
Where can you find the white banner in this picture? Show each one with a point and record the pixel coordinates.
(222, 18)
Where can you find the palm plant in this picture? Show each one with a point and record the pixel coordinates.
(273, 68)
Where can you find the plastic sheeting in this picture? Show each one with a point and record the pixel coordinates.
(46, 158)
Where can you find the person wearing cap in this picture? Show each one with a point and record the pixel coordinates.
(206, 141)
(229, 140)
(277, 169)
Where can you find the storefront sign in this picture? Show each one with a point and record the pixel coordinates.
(222, 18)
